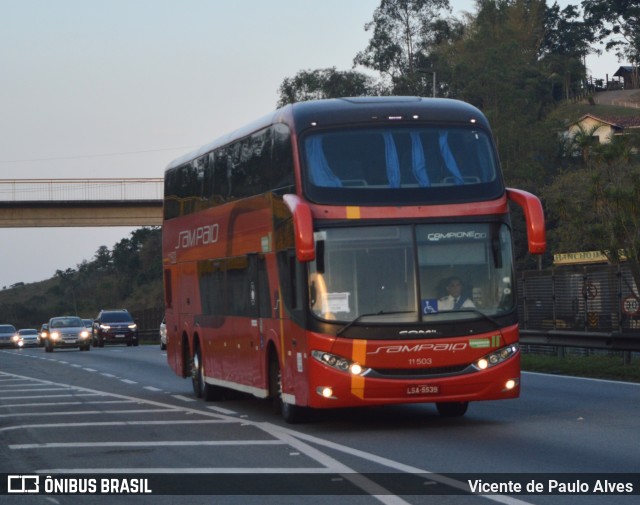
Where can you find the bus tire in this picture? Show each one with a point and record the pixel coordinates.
(292, 414)
(200, 388)
(452, 409)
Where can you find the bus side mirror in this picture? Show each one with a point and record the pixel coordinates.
(534, 215)
(302, 228)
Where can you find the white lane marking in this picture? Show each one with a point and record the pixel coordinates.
(34, 397)
(112, 423)
(184, 398)
(50, 404)
(155, 443)
(222, 410)
(273, 429)
(589, 379)
(463, 486)
(92, 412)
(214, 469)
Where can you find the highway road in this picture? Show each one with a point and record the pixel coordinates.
(120, 411)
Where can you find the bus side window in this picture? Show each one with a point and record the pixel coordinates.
(264, 297)
(292, 283)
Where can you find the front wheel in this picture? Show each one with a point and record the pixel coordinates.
(452, 409)
(291, 413)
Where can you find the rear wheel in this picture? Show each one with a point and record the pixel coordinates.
(452, 409)
(200, 387)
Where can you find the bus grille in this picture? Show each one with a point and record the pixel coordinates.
(419, 372)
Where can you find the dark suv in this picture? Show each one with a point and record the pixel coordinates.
(114, 327)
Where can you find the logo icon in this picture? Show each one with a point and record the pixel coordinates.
(22, 484)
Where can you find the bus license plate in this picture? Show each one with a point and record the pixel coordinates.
(423, 390)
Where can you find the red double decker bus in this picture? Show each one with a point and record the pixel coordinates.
(346, 252)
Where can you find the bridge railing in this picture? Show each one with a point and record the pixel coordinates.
(95, 189)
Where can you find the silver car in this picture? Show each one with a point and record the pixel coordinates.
(8, 335)
(67, 331)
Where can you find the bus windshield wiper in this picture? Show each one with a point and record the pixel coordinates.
(367, 314)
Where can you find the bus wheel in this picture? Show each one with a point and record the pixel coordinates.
(452, 409)
(201, 389)
(290, 413)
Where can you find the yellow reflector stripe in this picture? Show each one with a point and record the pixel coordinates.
(353, 212)
(359, 355)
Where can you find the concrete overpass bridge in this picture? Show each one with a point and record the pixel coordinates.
(26, 203)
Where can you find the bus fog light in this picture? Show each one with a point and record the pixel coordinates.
(325, 391)
(510, 384)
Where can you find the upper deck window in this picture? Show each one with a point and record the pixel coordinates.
(400, 165)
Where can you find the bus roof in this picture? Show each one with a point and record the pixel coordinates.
(360, 110)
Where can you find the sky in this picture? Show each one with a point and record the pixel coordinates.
(119, 88)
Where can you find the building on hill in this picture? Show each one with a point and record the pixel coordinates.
(629, 76)
(604, 128)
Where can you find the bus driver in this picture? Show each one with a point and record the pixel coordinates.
(455, 298)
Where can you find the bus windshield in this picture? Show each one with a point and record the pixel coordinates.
(403, 164)
(407, 273)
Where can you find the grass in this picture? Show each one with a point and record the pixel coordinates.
(597, 367)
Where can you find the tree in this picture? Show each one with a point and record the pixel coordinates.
(324, 83)
(404, 32)
(564, 46)
(615, 23)
(597, 205)
(102, 259)
(497, 67)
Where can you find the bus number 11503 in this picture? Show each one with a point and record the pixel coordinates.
(420, 361)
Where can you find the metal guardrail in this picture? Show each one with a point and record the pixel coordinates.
(589, 306)
(99, 189)
(612, 341)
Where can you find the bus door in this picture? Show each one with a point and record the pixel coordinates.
(248, 297)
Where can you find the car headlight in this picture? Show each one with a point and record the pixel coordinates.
(105, 327)
(54, 335)
(496, 357)
(133, 326)
(339, 363)
(84, 334)
(15, 338)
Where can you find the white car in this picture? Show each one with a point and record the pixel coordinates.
(163, 334)
(28, 337)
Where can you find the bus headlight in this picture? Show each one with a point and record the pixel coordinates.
(496, 357)
(339, 363)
